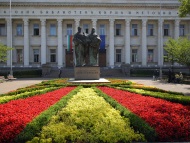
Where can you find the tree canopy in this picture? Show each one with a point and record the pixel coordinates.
(184, 9)
(3, 52)
(178, 50)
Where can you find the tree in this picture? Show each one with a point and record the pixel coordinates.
(184, 9)
(3, 52)
(179, 51)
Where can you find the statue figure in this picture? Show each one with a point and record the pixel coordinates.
(93, 45)
(80, 44)
(86, 48)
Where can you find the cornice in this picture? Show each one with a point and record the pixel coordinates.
(81, 4)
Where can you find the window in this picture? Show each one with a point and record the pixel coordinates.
(118, 55)
(134, 29)
(102, 29)
(69, 29)
(134, 55)
(36, 30)
(182, 30)
(150, 29)
(19, 56)
(52, 55)
(19, 30)
(36, 55)
(166, 29)
(118, 29)
(150, 55)
(85, 27)
(2, 30)
(53, 31)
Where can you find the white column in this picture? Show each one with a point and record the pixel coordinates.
(94, 23)
(111, 43)
(43, 41)
(61, 52)
(9, 41)
(77, 24)
(144, 42)
(26, 42)
(160, 42)
(177, 21)
(127, 41)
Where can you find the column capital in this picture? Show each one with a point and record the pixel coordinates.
(59, 21)
(94, 20)
(26, 20)
(77, 20)
(111, 22)
(127, 21)
(160, 21)
(144, 21)
(8, 20)
(177, 21)
(43, 22)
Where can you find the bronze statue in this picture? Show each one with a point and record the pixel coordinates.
(86, 48)
(80, 44)
(94, 44)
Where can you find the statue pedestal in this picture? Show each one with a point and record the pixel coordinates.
(91, 73)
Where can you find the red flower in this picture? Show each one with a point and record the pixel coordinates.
(15, 114)
(170, 120)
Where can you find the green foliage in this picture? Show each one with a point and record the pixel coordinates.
(136, 122)
(178, 50)
(5, 99)
(184, 8)
(185, 100)
(34, 127)
(88, 118)
(3, 52)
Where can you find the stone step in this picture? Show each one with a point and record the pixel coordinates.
(69, 73)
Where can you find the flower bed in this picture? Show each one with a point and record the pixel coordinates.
(88, 118)
(170, 120)
(16, 114)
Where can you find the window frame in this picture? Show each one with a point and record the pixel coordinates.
(134, 29)
(69, 29)
(118, 29)
(53, 56)
(36, 54)
(134, 56)
(102, 29)
(52, 29)
(150, 29)
(118, 55)
(3, 32)
(36, 30)
(166, 29)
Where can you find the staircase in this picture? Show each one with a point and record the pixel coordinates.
(69, 73)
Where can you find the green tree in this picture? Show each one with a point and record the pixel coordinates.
(178, 50)
(3, 52)
(184, 8)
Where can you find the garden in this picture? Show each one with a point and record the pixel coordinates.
(120, 111)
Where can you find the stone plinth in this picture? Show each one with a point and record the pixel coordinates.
(87, 73)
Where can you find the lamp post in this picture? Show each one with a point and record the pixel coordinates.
(161, 58)
(11, 52)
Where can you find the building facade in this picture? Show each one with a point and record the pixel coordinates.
(134, 31)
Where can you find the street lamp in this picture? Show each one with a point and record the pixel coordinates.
(161, 58)
(11, 52)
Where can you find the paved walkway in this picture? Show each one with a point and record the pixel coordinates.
(19, 83)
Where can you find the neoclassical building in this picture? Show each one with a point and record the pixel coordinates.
(132, 31)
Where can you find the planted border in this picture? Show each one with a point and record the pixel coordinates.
(136, 122)
(13, 119)
(185, 100)
(170, 120)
